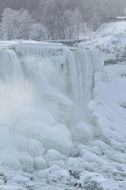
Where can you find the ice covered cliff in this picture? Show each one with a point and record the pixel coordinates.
(45, 90)
(62, 117)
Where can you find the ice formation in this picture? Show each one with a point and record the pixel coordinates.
(40, 82)
(57, 123)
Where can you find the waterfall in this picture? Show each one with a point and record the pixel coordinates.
(46, 127)
(80, 69)
(69, 70)
(74, 68)
(44, 88)
(10, 67)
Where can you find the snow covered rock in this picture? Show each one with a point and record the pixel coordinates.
(110, 39)
(57, 174)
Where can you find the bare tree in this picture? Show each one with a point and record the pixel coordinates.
(15, 24)
(59, 19)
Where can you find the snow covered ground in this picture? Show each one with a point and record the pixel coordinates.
(63, 114)
(110, 39)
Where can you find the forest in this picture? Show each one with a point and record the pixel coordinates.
(55, 19)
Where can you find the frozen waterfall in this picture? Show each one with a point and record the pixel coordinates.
(80, 70)
(43, 88)
(10, 67)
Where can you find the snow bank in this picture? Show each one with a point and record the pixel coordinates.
(110, 39)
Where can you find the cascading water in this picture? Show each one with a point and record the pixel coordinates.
(80, 68)
(45, 85)
(10, 67)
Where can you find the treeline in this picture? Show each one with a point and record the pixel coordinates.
(55, 19)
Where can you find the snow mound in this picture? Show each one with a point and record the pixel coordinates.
(110, 39)
(112, 28)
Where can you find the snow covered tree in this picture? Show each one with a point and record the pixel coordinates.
(51, 14)
(24, 23)
(38, 32)
(15, 24)
(59, 19)
(7, 24)
(76, 28)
